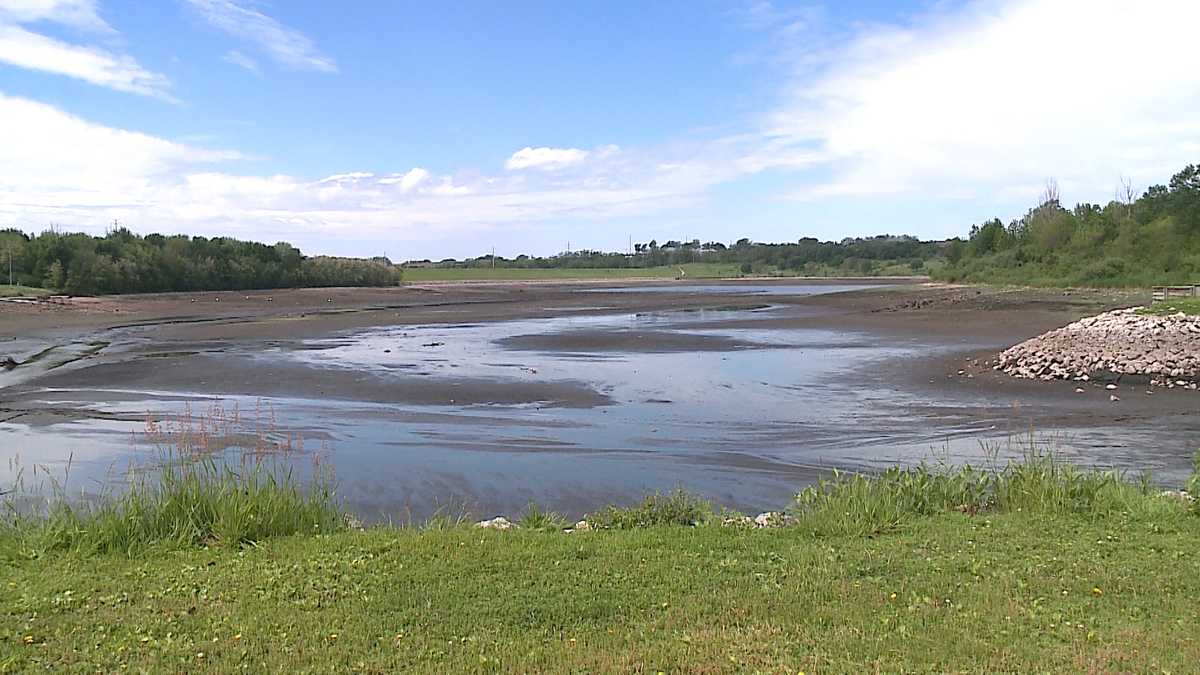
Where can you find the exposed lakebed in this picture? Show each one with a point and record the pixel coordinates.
(591, 405)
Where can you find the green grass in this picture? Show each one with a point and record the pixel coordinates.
(1174, 306)
(1035, 566)
(7, 291)
(181, 503)
(1015, 592)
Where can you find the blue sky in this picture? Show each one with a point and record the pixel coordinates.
(435, 130)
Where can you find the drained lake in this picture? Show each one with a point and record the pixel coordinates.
(590, 406)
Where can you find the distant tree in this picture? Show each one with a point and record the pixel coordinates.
(56, 276)
(955, 249)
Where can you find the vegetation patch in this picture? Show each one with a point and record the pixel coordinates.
(1151, 240)
(17, 291)
(124, 262)
(676, 508)
(1190, 306)
(182, 503)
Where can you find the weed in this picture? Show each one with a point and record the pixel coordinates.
(193, 494)
(675, 508)
(534, 518)
(1040, 483)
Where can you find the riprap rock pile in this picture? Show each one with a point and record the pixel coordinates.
(1165, 349)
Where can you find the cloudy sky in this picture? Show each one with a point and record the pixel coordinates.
(444, 129)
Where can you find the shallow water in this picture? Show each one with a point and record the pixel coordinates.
(736, 288)
(746, 416)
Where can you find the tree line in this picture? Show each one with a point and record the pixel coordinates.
(124, 262)
(851, 256)
(1152, 239)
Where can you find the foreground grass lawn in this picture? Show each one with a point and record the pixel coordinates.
(996, 592)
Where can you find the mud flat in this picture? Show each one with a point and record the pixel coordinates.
(489, 395)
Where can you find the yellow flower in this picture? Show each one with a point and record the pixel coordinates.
(28, 639)
(1097, 592)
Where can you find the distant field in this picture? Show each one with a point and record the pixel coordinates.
(7, 291)
(694, 271)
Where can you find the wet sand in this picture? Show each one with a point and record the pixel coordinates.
(391, 359)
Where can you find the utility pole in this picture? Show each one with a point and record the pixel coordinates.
(493, 257)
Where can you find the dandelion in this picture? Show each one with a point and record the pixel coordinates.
(1097, 592)
(28, 639)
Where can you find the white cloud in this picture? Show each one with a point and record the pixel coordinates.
(1001, 94)
(242, 61)
(26, 49)
(285, 45)
(352, 177)
(76, 13)
(55, 167)
(406, 181)
(447, 188)
(546, 159)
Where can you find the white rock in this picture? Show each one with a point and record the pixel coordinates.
(773, 519)
(497, 523)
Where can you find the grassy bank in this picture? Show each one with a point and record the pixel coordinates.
(1174, 306)
(7, 291)
(1037, 567)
